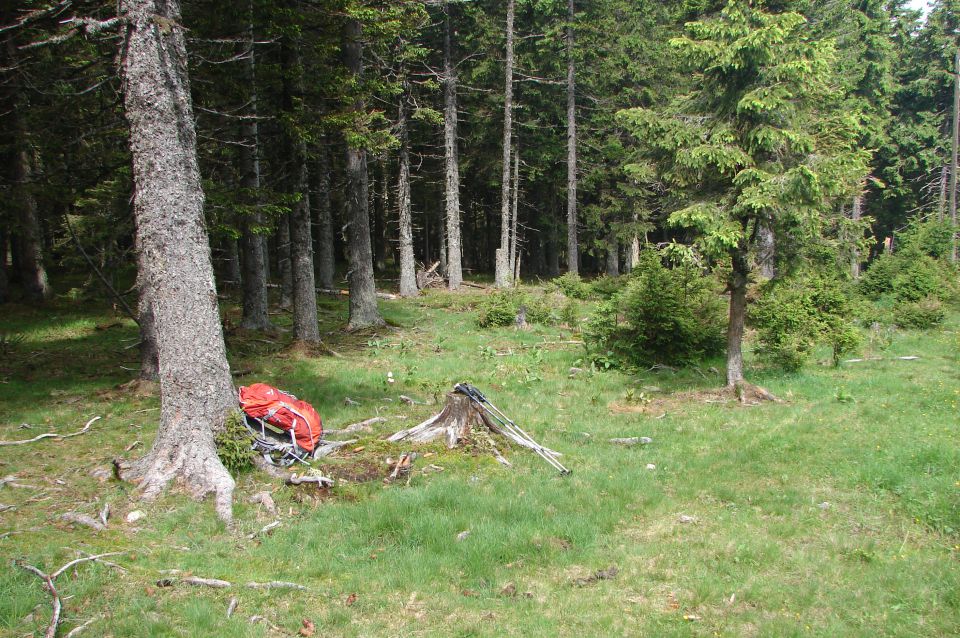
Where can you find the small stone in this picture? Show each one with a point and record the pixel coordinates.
(135, 516)
(463, 535)
(102, 474)
(651, 466)
(349, 401)
(574, 372)
(683, 518)
(824, 505)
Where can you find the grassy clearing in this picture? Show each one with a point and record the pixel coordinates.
(836, 513)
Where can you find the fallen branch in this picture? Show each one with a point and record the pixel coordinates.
(357, 427)
(633, 440)
(276, 584)
(48, 583)
(326, 448)
(232, 607)
(320, 481)
(82, 519)
(346, 293)
(206, 582)
(53, 435)
(76, 631)
(266, 529)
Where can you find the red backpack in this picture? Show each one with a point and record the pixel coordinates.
(269, 406)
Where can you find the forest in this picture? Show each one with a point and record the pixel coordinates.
(704, 252)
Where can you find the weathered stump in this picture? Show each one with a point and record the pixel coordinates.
(454, 423)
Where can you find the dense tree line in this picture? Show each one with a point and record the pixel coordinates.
(302, 144)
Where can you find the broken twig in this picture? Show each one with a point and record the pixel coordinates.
(52, 435)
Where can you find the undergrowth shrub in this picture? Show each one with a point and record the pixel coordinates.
(663, 315)
(501, 308)
(606, 287)
(920, 315)
(571, 285)
(234, 445)
(792, 316)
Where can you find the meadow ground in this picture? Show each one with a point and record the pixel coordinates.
(835, 513)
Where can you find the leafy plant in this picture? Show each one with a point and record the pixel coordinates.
(234, 445)
(664, 315)
(920, 315)
(571, 285)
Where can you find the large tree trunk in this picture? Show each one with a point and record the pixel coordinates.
(4, 283)
(572, 245)
(284, 262)
(613, 255)
(408, 269)
(953, 165)
(502, 265)
(325, 261)
(855, 214)
(305, 325)
(514, 212)
(33, 275)
(196, 391)
(147, 322)
(363, 292)
(766, 251)
(255, 306)
(738, 312)
(454, 265)
(381, 204)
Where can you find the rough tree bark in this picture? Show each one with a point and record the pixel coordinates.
(408, 269)
(284, 263)
(613, 255)
(255, 306)
(363, 292)
(855, 214)
(380, 197)
(29, 246)
(451, 159)
(514, 213)
(766, 251)
(326, 257)
(305, 325)
(738, 307)
(502, 267)
(196, 391)
(573, 258)
(147, 322)
(953, 165)
(4, 283)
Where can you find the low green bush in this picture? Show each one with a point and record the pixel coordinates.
(793, 315)
(234, 445)
(498, 309)
(919, 315)
(663, 315)
(571, 285)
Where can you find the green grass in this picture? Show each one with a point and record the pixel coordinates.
(836, 513)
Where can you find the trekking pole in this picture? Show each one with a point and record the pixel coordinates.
(511, 429)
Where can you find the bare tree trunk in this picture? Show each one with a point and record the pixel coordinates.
(855, 214)
(738, 312)
(326, 255)
(149, 352)
(953, 165)
(613, 255)
(766, 251)
(284, 263)
(305, 325)
(255, 307)
(363, 292)
(942, 202)
(381, 201)
(234, 277)
(572, 244)
(633, 253)
(196, 391)
(4, 283)
(451, 159)
(408, 272)
(514, 209)
(32, 274)
(502, 266)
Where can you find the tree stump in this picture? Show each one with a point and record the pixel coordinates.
(453, 423)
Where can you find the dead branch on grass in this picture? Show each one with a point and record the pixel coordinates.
(52, 435)
(48, 583)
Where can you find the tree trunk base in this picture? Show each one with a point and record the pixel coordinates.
(197, 467)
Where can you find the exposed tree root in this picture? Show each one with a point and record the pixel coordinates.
(52, 435)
